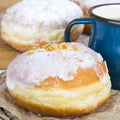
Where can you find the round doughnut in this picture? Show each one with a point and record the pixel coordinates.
(29, 23)
(59, 80)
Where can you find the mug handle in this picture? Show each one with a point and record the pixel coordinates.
(74, 22)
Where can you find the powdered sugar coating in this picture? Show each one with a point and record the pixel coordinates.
(45, 15)
(30, 69)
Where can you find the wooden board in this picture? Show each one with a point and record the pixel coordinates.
(6, 3)
(7, 53)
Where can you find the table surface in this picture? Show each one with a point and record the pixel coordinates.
(7, 53)
(6, 3)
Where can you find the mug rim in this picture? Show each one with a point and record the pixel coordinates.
(90, 11)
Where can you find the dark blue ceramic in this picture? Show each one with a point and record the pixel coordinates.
(105, 39)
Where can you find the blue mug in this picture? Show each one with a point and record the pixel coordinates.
(105, 36)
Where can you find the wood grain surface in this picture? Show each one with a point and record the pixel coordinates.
(7, 53)
(6, 3)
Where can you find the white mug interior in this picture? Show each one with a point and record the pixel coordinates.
(108, 11)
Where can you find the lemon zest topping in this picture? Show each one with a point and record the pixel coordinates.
(75, 47)
(50, 47)
(30, 52)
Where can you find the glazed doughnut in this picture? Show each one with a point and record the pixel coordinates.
(29, 23)
(66, 79)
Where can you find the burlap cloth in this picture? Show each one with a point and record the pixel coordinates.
(10, 111)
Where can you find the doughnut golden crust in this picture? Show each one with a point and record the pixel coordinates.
(46, 85)
(29, 24)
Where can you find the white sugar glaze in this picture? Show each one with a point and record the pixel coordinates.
(43, 14)
(30, 69)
